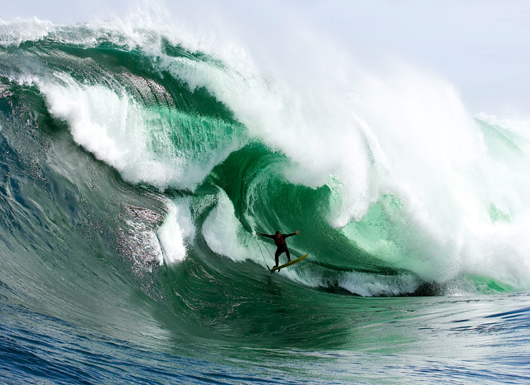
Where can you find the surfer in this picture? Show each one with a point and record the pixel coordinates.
(279, 239)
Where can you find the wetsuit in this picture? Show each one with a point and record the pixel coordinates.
(281, 245)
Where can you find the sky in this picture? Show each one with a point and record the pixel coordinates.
(480, 46)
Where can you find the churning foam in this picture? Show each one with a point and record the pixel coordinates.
(132, 138)
(224, 234)
(176, 230)
(20, 30)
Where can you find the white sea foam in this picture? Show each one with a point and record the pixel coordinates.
(224, 233)
(368, 285)
(176, 231)
(143, 246)
(128, 136)
(513, 123)
(13, 33)
(363, 284)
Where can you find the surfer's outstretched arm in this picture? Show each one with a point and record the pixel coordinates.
(266, 235)
(290, 235)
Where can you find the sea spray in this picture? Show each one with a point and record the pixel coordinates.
(176, 232)
(144, 143)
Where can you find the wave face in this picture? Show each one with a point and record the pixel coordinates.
(137, 172)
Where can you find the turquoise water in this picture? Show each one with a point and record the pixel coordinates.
(136, 174)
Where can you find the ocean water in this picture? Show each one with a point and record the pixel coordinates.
(137, 169)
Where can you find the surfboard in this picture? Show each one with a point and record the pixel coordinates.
(288, 263)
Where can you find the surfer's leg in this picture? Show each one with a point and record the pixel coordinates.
(288, 254)
(277, 256)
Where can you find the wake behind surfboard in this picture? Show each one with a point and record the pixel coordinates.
(288, 263)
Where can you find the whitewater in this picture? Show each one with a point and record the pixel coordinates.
(140, 163)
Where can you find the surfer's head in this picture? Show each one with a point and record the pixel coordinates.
(278, 233)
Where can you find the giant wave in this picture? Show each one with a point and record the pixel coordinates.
(138, 166)
(391, 182)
